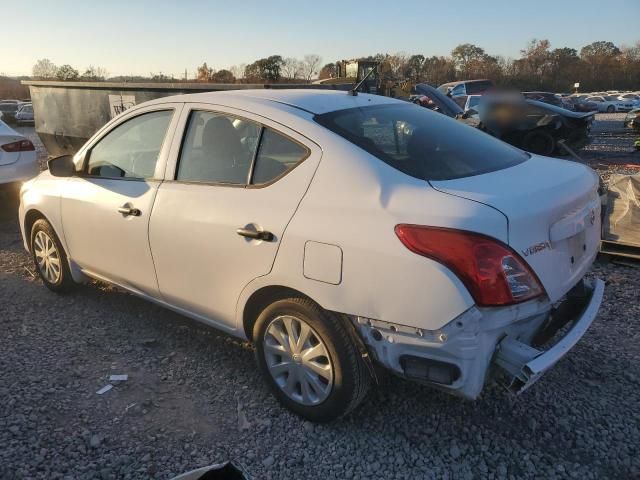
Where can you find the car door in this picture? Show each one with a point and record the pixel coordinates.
(223, 208)
(107, 205)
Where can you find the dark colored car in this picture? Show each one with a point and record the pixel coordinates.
(581, 104)
(545, 97)
(528, 124)
(9, 110)
(535, 126)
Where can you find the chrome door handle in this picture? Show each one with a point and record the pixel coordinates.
(255, 234)
(126, 211)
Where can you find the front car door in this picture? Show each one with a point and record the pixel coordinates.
(235, 173)
(107, 205)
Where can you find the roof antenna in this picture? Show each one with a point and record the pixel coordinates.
(354, 91)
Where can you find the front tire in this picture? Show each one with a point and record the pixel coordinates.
(611, 109)
(50, 258)
(309, 360)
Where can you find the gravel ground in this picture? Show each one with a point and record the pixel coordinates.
(194, 397)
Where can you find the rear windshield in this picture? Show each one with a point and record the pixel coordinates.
(424, 144)
(478, 87)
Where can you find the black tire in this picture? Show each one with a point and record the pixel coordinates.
(351, 378)
(64, 282)
(539, 142)
(611, 109)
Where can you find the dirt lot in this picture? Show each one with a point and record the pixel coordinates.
(194, 398)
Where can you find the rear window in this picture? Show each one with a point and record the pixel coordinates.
(478, 87)
(420, 143)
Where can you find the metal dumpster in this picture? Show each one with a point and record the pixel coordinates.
(67, 114)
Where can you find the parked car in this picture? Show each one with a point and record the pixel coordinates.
(610, 103)
(24, 116)
(634, 98)
(18, 160)
(458, 91)
(579, 103)
(472, 102)
(534, 126)
(335, 232)
(9, 108)
(632, 119)
(545, 97)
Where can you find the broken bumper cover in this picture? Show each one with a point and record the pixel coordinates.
(525, 364)
(458, 357)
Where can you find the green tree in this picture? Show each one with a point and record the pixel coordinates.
(67, 73)
(466, 53)
(599, 49)
(223, 76)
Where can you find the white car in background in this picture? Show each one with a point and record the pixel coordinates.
(634, 98)
(610, 103)
(18, 158)
(472, 102)
(335, 232)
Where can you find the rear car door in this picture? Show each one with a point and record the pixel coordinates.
(107, 205)
(235, 175)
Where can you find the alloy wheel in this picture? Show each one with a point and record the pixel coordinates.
(298, 360)
(47, 257)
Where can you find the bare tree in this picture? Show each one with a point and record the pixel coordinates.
(310, 66)
(204, 73)
(238, 71)
(292, 68)
(95, 74)
(45, 69)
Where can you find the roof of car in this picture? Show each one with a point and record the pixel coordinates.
(315, 101)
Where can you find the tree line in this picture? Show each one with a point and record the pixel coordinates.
(601, 65)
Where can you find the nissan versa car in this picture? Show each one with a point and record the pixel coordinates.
(337, 232)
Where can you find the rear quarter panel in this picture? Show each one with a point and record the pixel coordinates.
(354, 202)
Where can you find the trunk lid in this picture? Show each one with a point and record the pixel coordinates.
(553, 211)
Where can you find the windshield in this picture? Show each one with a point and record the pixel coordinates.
(420, 143)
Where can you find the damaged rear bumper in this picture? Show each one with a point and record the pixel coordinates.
(458, 357)
(525, 364)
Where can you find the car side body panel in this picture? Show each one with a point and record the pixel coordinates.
(355, 205)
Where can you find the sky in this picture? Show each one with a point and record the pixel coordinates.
(138, 37)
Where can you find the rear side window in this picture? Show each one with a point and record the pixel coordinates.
(420, 143)
(277, 155)
(131, 149)
(218, 148)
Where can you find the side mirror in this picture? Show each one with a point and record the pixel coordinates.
(62, 166)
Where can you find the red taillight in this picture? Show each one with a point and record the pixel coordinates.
(492, 272)
(19, 146)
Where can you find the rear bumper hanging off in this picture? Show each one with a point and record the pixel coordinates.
(525, 364)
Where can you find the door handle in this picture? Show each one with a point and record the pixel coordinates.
(255, 234)
(126, 211)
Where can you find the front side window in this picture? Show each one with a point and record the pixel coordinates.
(218, 148)
(132, 148)
(420, 143)
(277, 155)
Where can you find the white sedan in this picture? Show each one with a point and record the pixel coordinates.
(336, 232)
(611, 103)
(18, 159)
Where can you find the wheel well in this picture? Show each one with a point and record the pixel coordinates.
(261, 299)
(30, 218)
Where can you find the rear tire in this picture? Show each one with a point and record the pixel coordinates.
(611, 109)
(320, 375)
(540, 142)
(50, 258)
